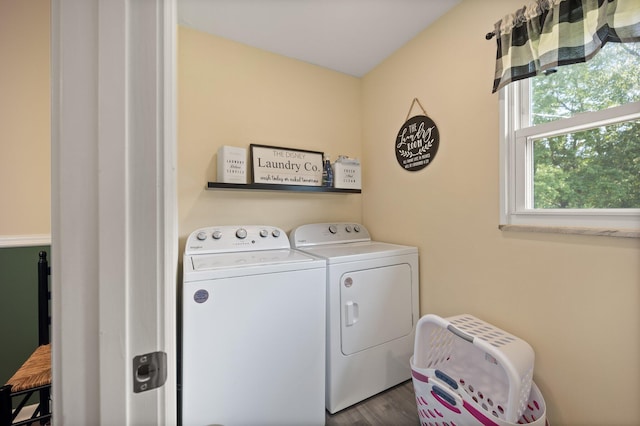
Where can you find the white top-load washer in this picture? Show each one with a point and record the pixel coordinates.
(253, 330)
(372, 309)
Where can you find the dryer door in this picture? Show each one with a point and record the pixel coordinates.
(375, 306)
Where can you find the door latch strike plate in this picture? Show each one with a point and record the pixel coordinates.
(149, 371)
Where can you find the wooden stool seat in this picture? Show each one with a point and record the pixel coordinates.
(35, 372)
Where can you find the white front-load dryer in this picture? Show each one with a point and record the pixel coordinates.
(372, 309)
(253, 330)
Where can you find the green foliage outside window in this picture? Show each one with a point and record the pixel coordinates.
(595, 168)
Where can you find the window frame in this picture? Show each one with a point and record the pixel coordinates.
(516, 171)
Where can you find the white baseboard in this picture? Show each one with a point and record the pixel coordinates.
(24, 240)
(26, 412)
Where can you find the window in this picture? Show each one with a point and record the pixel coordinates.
(570, 145)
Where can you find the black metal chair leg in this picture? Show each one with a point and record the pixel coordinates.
(45, 404)
(5, 405)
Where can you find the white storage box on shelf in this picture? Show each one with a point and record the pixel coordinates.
(467, 371)
(346, 173)
(232, 165)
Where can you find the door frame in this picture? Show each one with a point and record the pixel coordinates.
(114, 208)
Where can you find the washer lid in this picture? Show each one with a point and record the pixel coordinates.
(350, 252)
(248, 258)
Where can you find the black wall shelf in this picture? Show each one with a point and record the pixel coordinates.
(270, 187)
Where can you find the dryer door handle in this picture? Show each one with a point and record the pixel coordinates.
(352, 312)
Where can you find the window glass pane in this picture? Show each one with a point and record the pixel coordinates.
(611, 78)
(595, 168)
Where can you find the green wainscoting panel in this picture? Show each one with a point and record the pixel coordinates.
(18, 306)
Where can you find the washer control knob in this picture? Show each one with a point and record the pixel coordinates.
(276, 233)
(356, 228)
(201, 236)
(348, 228)
(241, 233)
(264, 233)
(333, 229)
(216, 235)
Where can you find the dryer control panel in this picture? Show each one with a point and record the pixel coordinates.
(229, 239)
(328, 233)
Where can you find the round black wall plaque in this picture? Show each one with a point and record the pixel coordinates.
(417, 143)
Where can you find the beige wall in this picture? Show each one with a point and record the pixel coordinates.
(575, 299)
(24, 118)
(231, 94)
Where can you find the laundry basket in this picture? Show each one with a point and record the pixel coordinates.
(467, 371)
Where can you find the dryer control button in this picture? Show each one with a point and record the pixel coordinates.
(333, 229)
(276, 233)
(216, 235)
(241, 233)
(348, 228)
(356, 228)
(201, 236)
(264, 233)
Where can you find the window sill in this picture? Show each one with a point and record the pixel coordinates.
(600, 232)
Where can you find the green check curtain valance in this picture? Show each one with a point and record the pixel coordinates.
(548, 33)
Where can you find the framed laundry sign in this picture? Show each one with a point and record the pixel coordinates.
(417, 141)
(285, 166)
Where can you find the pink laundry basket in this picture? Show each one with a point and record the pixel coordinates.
(466, 371)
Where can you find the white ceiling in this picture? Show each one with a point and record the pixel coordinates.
(349, 36)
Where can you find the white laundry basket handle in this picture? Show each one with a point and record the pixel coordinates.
(422, 337)
(503, 360)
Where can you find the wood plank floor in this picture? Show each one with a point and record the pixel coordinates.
(395, 406)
